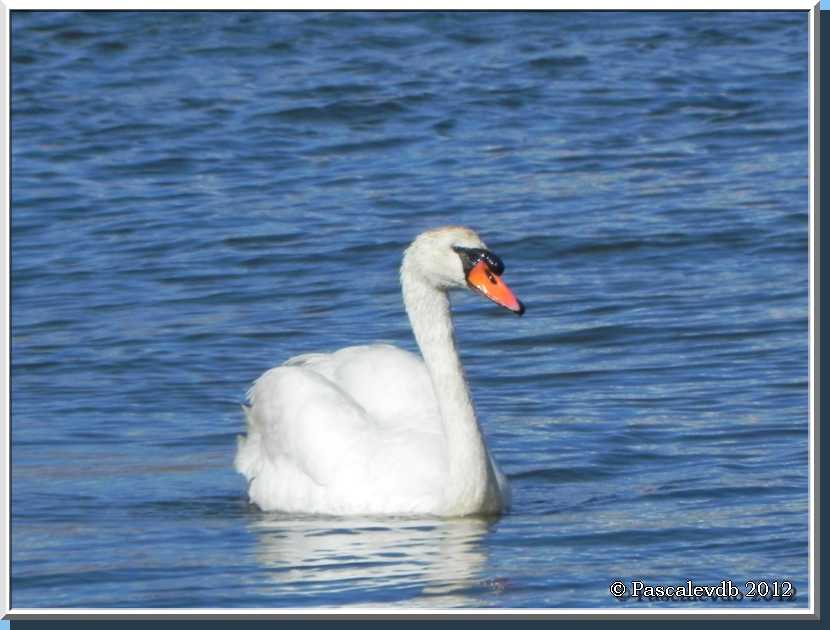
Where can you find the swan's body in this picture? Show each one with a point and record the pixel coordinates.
(378, 430)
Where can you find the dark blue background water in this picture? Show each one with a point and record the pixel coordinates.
(200, 196)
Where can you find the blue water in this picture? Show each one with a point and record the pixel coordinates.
(197, 197)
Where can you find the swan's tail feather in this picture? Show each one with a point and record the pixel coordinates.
(248, 460)
(246, 409)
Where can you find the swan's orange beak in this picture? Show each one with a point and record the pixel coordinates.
(482, 279)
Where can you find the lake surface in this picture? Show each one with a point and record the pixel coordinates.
(200, 196)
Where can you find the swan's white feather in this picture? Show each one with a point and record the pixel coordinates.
(344, 432)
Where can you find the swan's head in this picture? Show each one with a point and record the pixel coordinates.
(456, 258)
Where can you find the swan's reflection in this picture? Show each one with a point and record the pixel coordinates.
(374, 561)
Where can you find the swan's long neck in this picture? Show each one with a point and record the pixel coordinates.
(470, 474)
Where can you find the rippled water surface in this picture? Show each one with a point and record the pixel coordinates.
(199, 196)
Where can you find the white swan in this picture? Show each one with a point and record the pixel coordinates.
(377, 430)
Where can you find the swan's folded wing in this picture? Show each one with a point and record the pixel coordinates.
(354, 431)
(392, 385)
(301, 419)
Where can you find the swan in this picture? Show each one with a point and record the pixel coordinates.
(376, 429)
